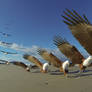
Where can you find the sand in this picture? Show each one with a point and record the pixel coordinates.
(16, 79)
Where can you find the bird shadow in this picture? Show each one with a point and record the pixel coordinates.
(57, 72)
(75, 74)
(35, 72)
(71, 74)
(79, 75)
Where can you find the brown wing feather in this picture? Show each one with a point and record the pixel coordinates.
(50, 58)
(20, 64)
(69, 51)
(33, 60)
(82, 30)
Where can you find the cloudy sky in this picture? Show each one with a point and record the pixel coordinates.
(34, 23)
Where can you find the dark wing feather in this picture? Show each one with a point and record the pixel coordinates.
(69, 51)
(82, 30)
(50, 58)
(33, 60)
(21, 64)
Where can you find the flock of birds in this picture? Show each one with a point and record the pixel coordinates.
(81, 29)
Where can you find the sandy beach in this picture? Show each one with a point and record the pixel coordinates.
(16, 79)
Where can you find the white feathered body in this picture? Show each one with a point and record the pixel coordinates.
(45, 66)
(65, 65)
(87, 61)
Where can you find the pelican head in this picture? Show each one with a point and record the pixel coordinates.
(45, 67)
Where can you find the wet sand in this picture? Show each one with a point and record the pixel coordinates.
(16, 79)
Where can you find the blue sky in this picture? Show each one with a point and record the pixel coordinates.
(36, 22)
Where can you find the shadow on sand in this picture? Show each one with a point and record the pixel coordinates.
(71, 74)
(74, 74)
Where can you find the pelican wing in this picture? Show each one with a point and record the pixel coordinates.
(5, 34)
(11, 53)
(80, 27)
(5, 43)
(50, 58)
(34, 66)
(20, 64)
(33, 60)
(4, 61)
(7, 52)
(68, 50)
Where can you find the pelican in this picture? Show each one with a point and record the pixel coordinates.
(54, 60)
(80, 27)
(21, 64)
(69, 51)
(4, 61)
(5, 44)
(17, 63)
(4, 34)
(43, 67)
(7, 52)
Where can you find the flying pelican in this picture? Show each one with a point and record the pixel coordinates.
(4, 61)
(5, 44)
(21, 64)
(7, 52)
(69, 51)
(80, 27)
(17, 63)
(4, 34)
(54, 60)
(43, 67)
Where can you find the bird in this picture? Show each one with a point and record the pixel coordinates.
(17, 63)
(4, 61)
(5, 34)
(70, 51)
(5, 44)
(63, 65)
(21, 64)
(43, 67)
(80, 27)
(7, 52)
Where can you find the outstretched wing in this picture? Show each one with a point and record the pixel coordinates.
(68, 50)
(4, 61)
(33, 60)
(80, 27)
(21, 64)
(5, 34)
(50, 57)
(7, 52)
(11, 53)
